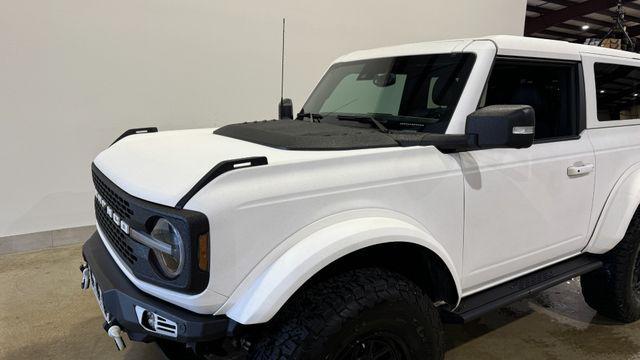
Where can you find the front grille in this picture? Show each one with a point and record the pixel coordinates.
(120, 205)
(115, 236)
(139, 215)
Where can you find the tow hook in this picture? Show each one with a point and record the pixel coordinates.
(86, 277)
(116, 334)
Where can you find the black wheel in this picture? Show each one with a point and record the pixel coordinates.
(614, 290)
(363, 314)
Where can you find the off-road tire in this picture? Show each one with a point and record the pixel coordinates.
(614, 290)
(346, 315)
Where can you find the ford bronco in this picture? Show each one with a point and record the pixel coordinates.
(419, 184)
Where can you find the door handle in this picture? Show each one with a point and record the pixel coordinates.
(578, 170)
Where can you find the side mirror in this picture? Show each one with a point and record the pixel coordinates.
(285, 109)
(502, 126)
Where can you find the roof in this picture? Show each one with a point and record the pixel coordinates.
(509, 45)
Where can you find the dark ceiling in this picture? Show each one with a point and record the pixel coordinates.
(565, 19)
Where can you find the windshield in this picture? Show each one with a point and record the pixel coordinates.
(409, 92)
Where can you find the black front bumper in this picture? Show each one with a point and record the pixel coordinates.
(120, 297)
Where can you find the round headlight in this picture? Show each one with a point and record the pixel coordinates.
(170, 264)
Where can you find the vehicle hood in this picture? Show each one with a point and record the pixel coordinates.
(307, 135)
(162, 167)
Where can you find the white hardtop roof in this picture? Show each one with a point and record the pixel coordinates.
(508, 45)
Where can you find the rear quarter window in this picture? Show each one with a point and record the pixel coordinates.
(617, 91)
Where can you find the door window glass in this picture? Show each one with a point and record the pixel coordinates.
(549, 87)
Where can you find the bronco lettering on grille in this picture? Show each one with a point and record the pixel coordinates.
(117, 219)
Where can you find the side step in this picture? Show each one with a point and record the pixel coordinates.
(476, 305)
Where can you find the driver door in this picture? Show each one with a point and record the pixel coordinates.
(525, 208)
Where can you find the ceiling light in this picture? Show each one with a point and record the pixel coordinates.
(601, 91)
(585, 27)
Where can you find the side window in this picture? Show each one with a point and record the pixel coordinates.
(551, 88)
(617, 90)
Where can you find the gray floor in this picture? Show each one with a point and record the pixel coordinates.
(45, 315)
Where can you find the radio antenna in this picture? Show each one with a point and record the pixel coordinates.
(285, 108)
(282, 63)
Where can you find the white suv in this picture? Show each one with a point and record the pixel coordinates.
(419, 184)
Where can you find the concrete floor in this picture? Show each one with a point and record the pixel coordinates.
(45, 315)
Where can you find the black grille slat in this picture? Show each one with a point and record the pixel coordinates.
(115, 236)
(120, 205)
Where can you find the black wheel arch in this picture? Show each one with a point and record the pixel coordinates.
(414, 262)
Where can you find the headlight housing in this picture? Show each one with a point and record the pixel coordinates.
(171, 264)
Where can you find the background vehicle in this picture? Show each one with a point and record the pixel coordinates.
(420, 183)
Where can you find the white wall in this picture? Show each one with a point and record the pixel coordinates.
(74, 74)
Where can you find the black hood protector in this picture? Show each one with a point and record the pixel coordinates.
(307, 135)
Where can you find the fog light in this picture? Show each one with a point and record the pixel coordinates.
(149, 320)
(156, 323)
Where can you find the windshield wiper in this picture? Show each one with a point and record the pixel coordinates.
(372, 120)
(312, 116)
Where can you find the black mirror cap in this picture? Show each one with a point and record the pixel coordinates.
(502, 126)
(285, 109)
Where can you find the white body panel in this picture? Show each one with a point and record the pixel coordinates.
(421, 183)
(617, 151)
(418, 181)
(507, 45)
(162, 167)
(617, 212)
(616, 147)
(522, 210)
(311, 249)
(490, 215)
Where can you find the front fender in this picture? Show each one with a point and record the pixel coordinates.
(617, 212)
(297, 259)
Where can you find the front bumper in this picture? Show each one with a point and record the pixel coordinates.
(120, 298)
